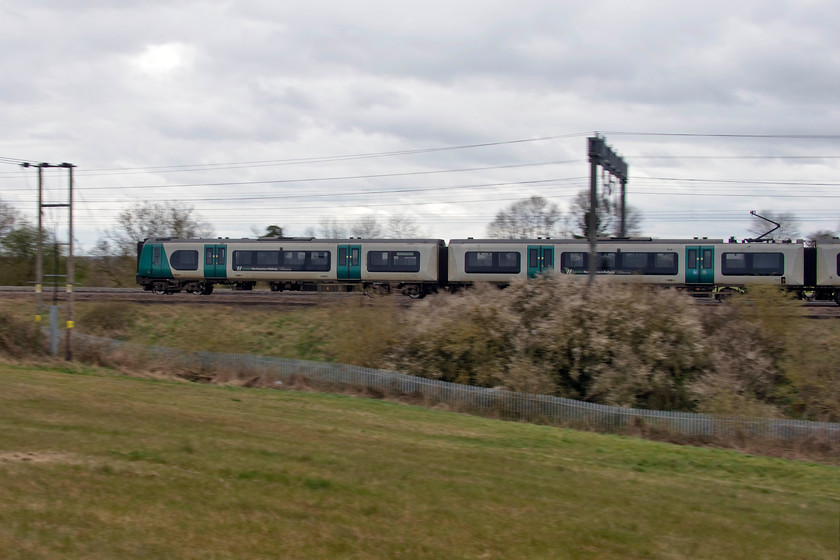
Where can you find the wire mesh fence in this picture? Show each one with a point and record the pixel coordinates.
(496, 403)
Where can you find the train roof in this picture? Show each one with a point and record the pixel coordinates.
(343, 241)
(532, 241)
(558, 241)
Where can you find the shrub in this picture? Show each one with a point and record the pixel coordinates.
(17, 338)
(631, 346)
(463, 338)
(615, 344)
(110, 319)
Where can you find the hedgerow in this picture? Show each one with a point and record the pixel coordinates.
(620, 344)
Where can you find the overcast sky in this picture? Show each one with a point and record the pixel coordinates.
(248, 111)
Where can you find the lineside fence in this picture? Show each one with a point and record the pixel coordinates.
(495, 403)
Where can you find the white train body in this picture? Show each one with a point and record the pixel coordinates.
(419, 266)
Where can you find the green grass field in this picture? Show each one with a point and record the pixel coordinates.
(96, 465)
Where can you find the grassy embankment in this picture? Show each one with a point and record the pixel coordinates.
(355, 331)
(95, 465)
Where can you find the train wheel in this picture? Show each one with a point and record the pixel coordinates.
(415, 292)
(207, 289)
(159, 288)
(725, 295)
(837, 298)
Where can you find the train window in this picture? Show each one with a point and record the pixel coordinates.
(753, 264)
(768, 264)
(492, 262)
(241, 258)
(508, 261)
(293, 260)
(734, 264)
(256, 260)
(707, 259)
(156, 256)
(313, 261)
(377, 259)
(606, 262)
(665, 263)
(393, 261)
(478, 262)
(691, 259)
(268, 258)
(184, 260)
(533, 258)
(634, 262)
(574, 262)
(273, 261)
(319, 261)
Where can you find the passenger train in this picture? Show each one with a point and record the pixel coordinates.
(417, 267)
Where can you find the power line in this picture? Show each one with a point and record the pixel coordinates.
(335, 178)
(16, 161)
(727, 157)
(319, 159)
(718, 135)
(744, 182)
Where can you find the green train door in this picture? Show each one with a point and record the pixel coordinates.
(540, 259)
(152, 262)
(215, 259)
(349, 262)
(699, 265)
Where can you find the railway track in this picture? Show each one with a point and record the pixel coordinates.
(259, 297)
(218, 297)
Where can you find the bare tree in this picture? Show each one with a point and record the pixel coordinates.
(607, 218)
(528, 218)
(580, 215)
(812, 239)
(366, 226)
(148, 219)
(788, 225)
(8, 218)
(403, 226)
(330, 228)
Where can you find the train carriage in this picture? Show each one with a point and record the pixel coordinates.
(700, 265)
(419, 266)
(172, 265)
(501, 261)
